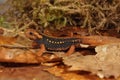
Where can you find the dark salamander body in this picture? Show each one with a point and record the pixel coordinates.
(57, 44)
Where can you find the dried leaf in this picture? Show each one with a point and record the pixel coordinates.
(57, 71)
(105, 63)
(98, 40)
(17, 50)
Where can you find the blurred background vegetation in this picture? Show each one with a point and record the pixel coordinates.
(55, 14)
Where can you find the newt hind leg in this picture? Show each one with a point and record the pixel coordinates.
(71, 50)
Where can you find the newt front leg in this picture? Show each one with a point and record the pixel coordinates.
(41, 50)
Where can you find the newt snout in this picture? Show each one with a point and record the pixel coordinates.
(32, 34)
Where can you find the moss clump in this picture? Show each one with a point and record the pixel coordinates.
(90, 14)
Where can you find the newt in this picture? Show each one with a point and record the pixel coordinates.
(51, 43)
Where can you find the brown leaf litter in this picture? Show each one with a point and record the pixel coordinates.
(105, 63)
(12, 51)
(59, 71)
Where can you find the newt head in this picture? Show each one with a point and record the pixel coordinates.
(32, 34)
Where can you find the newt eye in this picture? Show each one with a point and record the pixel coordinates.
(31, 33)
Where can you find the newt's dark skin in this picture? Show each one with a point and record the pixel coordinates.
(53, 43)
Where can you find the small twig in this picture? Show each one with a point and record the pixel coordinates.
(16, 47)
(86, 19)
(27, 25)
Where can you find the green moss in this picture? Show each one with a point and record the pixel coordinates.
(90, 14)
